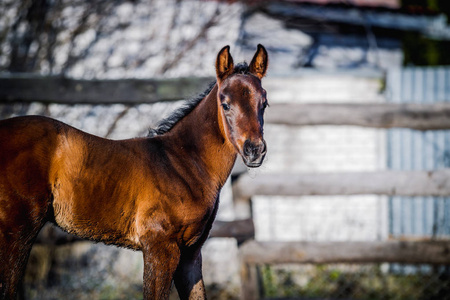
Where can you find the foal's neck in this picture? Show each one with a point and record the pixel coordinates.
(205, 142)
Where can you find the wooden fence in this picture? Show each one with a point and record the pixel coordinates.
(398, 183)
(57, 89)
(407, 252)
(434, 116)
(423, 183)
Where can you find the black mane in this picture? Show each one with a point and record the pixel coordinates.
(166, 124)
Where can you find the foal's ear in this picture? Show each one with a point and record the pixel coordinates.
(260, 62)
(224, 64)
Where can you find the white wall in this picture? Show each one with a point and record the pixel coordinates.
(322, 149)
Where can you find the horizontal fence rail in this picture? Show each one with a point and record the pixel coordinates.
(241, 230)
(26, 88)
(406, 252)
(386, 115)
(56, 89)
(253, 253)
(401, 183)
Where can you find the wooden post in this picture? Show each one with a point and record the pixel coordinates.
(249, 282)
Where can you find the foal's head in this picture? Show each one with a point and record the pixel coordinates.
(241, 104)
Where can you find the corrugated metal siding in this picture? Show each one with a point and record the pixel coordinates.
(416, 150)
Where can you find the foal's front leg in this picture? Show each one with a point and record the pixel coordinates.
(188, 276)
(160, 262)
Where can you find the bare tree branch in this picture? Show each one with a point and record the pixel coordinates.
(201, 34)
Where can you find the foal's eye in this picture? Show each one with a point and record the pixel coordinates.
(265, 104)
(225, 106)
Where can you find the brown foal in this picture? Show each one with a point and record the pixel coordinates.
(157, 194)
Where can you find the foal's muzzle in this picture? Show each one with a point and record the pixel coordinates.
(254, 153)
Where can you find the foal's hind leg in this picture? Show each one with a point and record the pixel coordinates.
(19, 225)
(12, 272)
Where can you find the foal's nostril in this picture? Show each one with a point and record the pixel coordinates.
(248, 148)
(254, 153)
(254, 150)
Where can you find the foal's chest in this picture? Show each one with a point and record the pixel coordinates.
(198, 225)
